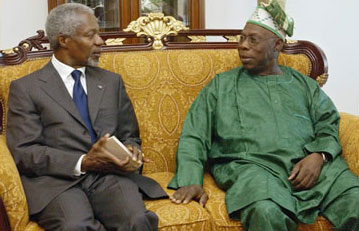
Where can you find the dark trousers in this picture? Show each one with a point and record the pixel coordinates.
(99, 202)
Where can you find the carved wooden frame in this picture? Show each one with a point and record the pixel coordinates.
(37, 46)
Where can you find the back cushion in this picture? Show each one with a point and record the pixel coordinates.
(162, 86)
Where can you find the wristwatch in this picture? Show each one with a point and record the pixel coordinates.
(324, 157)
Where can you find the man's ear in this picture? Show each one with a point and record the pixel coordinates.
(278, 45)
(63, 40)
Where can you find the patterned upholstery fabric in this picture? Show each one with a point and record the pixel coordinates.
(4, 220)
(11, 191)
(162, 85)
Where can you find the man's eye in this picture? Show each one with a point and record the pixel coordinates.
(90, 35)
(253, 40)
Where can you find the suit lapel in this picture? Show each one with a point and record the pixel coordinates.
(95, 91)
(55, 88)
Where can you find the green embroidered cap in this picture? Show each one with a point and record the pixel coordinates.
(272, 17)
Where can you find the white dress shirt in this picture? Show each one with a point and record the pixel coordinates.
(65, 74)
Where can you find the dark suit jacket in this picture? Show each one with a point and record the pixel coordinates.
(46, 135)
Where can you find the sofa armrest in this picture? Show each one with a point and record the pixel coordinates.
(4, 220)
(349, 139)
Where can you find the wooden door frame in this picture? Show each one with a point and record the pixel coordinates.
(129, 11)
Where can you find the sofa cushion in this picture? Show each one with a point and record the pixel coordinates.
(174, 217)
(162, 85)
(349, 139)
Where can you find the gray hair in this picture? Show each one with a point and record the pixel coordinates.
(62, 20)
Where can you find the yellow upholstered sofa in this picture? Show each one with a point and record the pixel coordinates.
(162, 76)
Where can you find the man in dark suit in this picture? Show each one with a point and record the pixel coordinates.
(59, 119)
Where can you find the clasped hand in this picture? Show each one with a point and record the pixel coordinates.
(98, 159)
(306, 172)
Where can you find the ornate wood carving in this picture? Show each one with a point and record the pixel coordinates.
(156, 27)
(36, 46)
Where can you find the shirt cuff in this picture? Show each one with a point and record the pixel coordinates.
(77, 170)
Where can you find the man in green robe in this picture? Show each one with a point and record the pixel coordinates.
(270, 136)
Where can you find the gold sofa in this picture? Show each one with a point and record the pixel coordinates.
(163, 74)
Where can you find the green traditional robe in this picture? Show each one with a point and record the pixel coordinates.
(252, 130)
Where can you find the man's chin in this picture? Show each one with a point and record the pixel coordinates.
(248, 66)
(93, 62)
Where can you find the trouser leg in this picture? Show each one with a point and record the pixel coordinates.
(343, 212)
(70, 211)
(266, 215)
(118, 204)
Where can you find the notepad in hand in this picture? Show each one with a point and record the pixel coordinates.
(119, 150)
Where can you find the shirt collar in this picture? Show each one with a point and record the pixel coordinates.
(63, 69)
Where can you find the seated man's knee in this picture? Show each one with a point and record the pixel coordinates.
(264, 209)
(349, 205)
(270, 215)
(75, 226)
(62, 224)
(146, 220)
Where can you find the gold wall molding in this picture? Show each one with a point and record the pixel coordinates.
(197, 39)
(114, 42)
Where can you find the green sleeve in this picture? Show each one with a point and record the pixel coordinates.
(325, 119)
(196, 138)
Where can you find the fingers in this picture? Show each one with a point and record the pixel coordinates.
(178, 196)
(299, 182)
(294, 173)
(203, 200)
(187, 193)
(137, 154)
(126, 165)
(102, 141)
(303, 178)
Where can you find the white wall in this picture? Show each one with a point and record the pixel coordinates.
(20, 19)
(331, 25)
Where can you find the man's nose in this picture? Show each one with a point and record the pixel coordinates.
(99, 41)
(243, 44)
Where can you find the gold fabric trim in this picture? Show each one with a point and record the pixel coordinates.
(156, 26)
